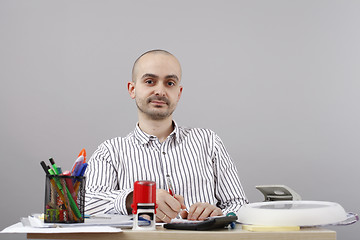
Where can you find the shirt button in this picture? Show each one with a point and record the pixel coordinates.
(164, 153)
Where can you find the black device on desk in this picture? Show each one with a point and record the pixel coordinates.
(208, 224)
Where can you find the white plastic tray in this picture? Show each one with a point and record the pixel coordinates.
(292, 213)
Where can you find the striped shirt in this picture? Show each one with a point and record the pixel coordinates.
(200, 168)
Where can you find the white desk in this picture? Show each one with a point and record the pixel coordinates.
(222, 234)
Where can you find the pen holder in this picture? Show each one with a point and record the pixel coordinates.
(64, 199)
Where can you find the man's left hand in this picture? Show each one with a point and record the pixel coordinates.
(200, 211)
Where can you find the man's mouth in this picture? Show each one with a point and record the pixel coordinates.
(158, 100)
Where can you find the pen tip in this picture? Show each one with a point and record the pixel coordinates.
(52, 161)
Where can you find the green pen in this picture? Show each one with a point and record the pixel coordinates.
(54, 166)
(56, 179)
(72, 203)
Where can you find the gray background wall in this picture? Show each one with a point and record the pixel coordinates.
(277, 80)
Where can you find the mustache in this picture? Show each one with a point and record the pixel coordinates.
(158, 98)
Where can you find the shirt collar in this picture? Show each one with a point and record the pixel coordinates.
(144, 138)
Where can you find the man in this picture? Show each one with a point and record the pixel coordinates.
(204, 177)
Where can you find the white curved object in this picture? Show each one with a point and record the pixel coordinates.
(291, 213)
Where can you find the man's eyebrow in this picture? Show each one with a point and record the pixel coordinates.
(150, 75)
(146, 75)
(172, 76)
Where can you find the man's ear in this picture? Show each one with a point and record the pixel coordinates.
(131, 89)
(180, 92)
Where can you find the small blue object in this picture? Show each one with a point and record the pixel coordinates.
(142, 221)
(232, 224)
(59, 170)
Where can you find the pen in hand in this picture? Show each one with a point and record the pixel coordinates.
(169, 185)
(171, 189)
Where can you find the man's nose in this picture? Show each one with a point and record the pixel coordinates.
(160, 90)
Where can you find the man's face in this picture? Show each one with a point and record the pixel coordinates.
(156, 89)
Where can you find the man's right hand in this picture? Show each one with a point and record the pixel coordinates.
(168, 206)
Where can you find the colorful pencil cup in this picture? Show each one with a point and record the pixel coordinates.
(64, 199)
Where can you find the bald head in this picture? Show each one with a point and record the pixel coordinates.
(154, 56)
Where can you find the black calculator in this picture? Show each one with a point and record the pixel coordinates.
(207, 224)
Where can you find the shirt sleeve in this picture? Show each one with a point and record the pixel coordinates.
(228, 189)
(102, 192)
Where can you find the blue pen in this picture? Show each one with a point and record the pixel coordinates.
(82, 170)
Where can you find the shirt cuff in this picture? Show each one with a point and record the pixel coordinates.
(120, 202)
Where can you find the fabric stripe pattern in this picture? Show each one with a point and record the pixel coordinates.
(200, 168)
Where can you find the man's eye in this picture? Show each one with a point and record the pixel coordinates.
(171, 83)
(149, 81)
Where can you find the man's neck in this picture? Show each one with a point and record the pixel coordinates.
(159, 128)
